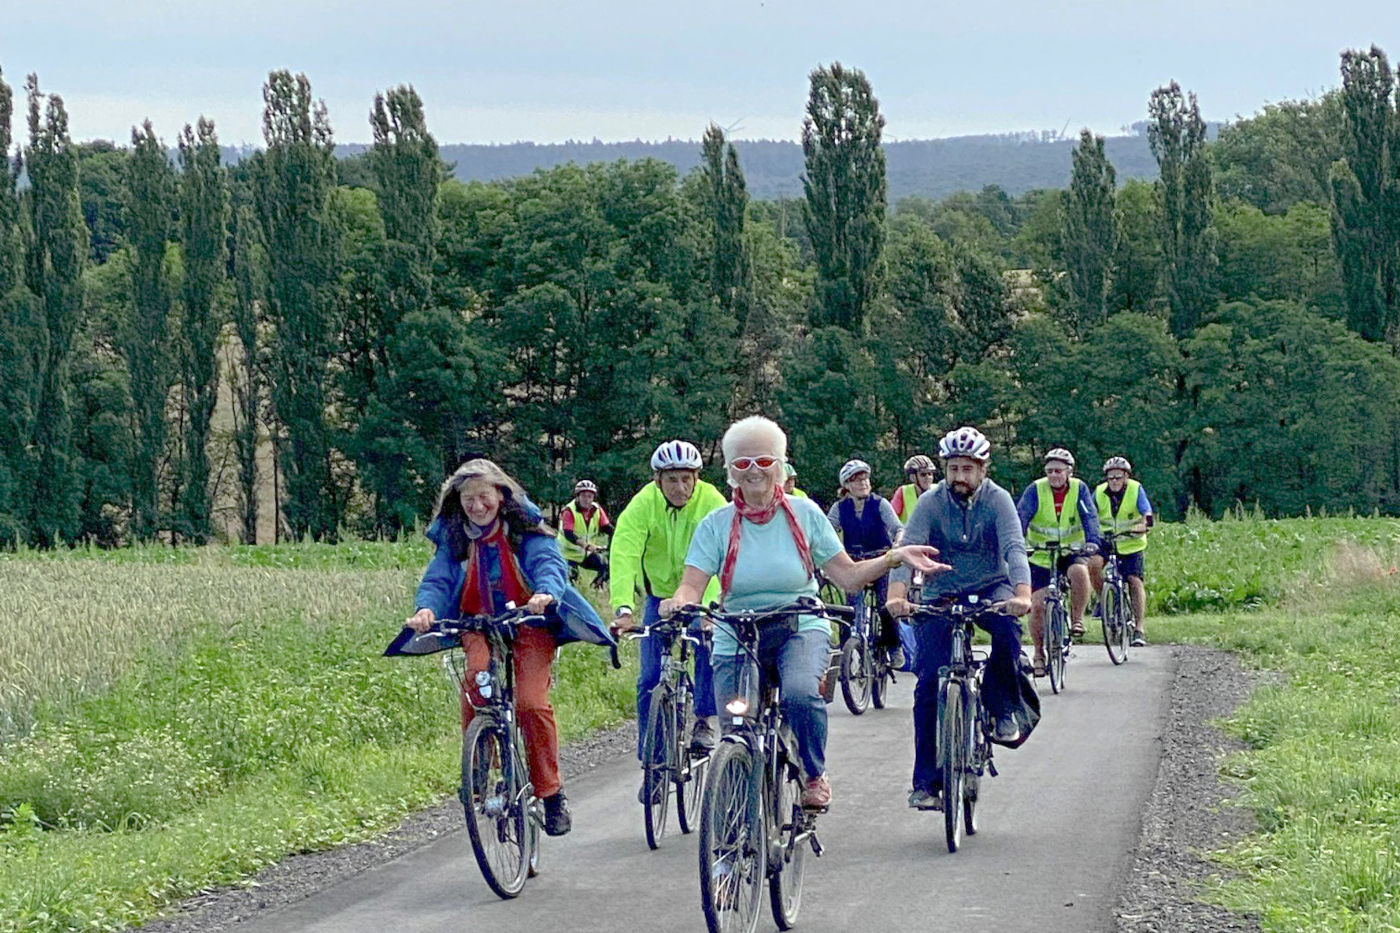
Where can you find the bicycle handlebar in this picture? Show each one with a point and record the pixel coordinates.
(957, 609)
(806, 605)
(506, 623)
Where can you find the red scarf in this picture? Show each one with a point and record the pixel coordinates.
(761, 516)
(476, 589)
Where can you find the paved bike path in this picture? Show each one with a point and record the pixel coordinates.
(1057, 830)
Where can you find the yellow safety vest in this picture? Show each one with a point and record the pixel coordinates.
(911, 498)
(1045, 526)
(1128, 516)
(585, 531)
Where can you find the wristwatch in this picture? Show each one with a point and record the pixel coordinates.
(892, 560)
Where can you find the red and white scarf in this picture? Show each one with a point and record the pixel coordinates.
(761, 516)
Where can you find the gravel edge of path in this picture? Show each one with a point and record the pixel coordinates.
(1191, 811)
(1188, 814)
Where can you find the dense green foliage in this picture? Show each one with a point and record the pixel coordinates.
(1225, 327)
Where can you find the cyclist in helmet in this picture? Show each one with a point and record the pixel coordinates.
(648, 556)
(1059, 507)
(972, 522)
(866, 522)
(919, 472)
(583, 530)
(790, 481)
(1123, 508)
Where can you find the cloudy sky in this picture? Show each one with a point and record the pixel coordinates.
(526, 70)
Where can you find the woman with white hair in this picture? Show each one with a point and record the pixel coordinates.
(763, 563)
(494, 548)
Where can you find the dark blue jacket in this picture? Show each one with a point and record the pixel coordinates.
(572, 617)
(867, 534)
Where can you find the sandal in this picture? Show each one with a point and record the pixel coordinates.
(1039, 667)
(1076, 630)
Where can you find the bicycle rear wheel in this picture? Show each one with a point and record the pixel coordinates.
(855, 673)
(690, 769)
(1053, 637)
(733, 856)
(952, 753)
(785, 881)
(493, 798)
(1116, 637)
(658, 766)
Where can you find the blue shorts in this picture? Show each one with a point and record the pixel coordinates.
(1130, 565)
(1040, 576)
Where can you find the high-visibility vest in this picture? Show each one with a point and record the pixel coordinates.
(1127, 519)
(584, 530)
(910, 498)
(1067, 528)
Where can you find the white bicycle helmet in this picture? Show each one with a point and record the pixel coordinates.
(1059, 453)
(851, 468)
(676, 455)
(966, 441)
(584, 485)
(1117, 463)
(917, 463)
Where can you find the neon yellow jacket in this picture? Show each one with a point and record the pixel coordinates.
(650, 541)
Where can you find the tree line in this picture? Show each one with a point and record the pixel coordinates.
(1232, 327)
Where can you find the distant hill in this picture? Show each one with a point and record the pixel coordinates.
(930, 168)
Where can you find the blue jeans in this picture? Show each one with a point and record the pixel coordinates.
(934, 642)
(650, 674)
(800, 658)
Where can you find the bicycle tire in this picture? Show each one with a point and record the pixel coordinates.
(534, 812)
(1052, 638)
(493, 800)
(786, 877)
(690, 769)
(855, 673)
(880, 678)
(1115, 626)
(658, 750)
(952, 751)
(976, 744)
(733, 857)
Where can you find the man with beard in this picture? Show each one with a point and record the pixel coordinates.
(974, 526)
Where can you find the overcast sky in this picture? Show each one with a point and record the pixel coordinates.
(523, 70)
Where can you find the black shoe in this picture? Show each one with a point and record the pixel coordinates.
(557, 820)
(702, 736)
(1006, 730)
(1139, 640)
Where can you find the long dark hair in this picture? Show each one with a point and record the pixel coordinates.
(517, 519)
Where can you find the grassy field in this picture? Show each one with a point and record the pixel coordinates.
(175, 719)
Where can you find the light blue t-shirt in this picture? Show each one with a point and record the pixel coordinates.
(769, 571)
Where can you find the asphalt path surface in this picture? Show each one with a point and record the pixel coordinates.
(1057, 831)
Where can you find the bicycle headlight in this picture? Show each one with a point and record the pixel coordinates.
(737, 706)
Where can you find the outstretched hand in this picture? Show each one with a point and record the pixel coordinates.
(922, 557)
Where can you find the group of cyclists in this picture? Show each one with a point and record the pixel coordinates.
(680, 542)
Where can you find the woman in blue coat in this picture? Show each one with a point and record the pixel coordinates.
(494, 548)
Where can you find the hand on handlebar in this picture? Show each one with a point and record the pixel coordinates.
(422, 620)
(1016, 606)
(899, 608)
(538, 603)
(624, 621)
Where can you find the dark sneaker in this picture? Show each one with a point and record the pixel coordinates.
(925, 800)
(658, 791)
(897, 659)
(1006, 730)
(557, 820)
(702, 736)
(1139, 640)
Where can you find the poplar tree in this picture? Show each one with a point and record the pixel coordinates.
(1177, 137)
(17, 344)
(1365, 196)
(57, 254)
(293, 183)
(844, 184)
(204, 219)
(1088, 237)
(246, 368)
(150, 189)
(727, 199)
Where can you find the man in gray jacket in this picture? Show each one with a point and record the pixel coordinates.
(973, 523)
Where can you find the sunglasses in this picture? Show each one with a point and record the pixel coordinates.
(743, 463)
(925, 472)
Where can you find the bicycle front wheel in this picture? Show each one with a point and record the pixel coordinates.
(952, 752)
(855, 673)
(1116, 637)
(658, 762)
(1053, 637)
(789, 828)
(493, 795)
(733, 856)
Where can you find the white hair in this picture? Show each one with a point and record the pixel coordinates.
(754, 427)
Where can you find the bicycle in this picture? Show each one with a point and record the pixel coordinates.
(1055, 641)
(752, 824)
(667, 763)
(1115, 607)
(504, 817)
(964, 726)
(866, 672)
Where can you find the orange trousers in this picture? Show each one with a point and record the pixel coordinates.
(534, 659)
